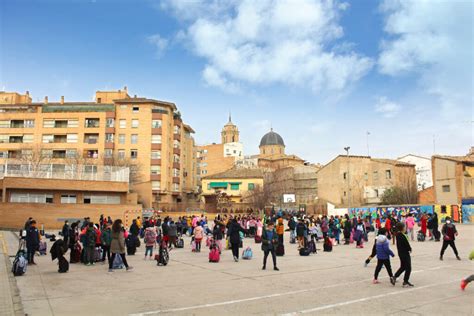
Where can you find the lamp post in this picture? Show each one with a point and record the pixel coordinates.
(348, 180)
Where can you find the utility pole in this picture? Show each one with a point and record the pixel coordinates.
(348, 180)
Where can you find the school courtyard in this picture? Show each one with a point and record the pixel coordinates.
(334, 283)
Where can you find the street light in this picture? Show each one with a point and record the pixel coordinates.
(348, 180)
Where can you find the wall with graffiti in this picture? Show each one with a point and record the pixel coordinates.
(459, 214)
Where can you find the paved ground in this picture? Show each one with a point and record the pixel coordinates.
(327, 283)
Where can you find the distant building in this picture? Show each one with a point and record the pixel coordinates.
(424, 176)
(453, 178)
(363, 179)
(217, 158)
(231, 189)
(272, 153)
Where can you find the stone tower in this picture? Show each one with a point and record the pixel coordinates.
(230, 132)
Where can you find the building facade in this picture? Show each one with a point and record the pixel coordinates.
(272, 153)
(146, 135)
(424, 176)
(453, 178)
(362, 180)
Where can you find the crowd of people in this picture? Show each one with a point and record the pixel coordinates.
(110, 240)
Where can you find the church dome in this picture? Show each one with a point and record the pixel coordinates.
(271, 138)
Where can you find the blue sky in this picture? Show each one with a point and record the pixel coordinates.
(322, 73)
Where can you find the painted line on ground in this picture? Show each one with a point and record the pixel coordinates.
(256, 298)
(329, 306)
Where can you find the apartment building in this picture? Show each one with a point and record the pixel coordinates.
(146, 135)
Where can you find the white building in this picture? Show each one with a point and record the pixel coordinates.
(424, 175)
(234, 149)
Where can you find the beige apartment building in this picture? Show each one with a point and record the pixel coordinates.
(453, 178)
(146, 135)
(362, 180)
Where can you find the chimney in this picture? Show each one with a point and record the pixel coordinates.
(135, 96)
(125, 88)
(46, 100)
(62, 99)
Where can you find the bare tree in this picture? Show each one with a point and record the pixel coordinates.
(33, 161)
(404, 190)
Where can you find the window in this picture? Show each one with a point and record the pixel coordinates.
(388, 174)
(109, 138)
(135, 109)
(134, 123)
(48, 138)
(156, 124)
(155, 154)
(30, 123)
(31, 198)
(175, 187)
(234, 186)
(176, 158)
(101, 199)
(133, 153)
(68, 199)
(344, 175)
(176, 144)
(134, 139)
(110, 122)
(71, 153)
(4, 124)
(28, 138)
(71, 138)
(251, 186)
(92, 122)
(376, 175)
(108, 153)
(156, 139)
(123, 106)
(176, 129)
(344, 193)
(121, 138)
(60, 124)
(203, 171)
(155, 170)
(121, 154)
(446, 188)
(366, 176)
(73, 123)
(376, 192)
(155, 185)
(175, 172)
(48, 123)
(123, 123)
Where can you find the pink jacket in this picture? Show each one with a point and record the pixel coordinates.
(410, 222)
(198, 232)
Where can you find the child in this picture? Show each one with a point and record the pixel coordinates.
(404, 249)
(150, 241)
(327, 244)
(470, 278)
(383, 256)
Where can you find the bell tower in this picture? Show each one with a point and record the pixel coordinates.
(230, 132)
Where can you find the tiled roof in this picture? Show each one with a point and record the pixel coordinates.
(238, 174)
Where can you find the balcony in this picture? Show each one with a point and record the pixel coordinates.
(110, 114)
(155, 162)
(92, 123)
(155, 177)
(91, 154)
(175, 179)
(15, 139)
(60, 124)
(110, 130)
(59, 154)
(91, 138)
(176, 165)
(157, 131)
(14, 154)
(177, 136)
(60, 139)
(176, 151)
(109, 145)
(17, 124)
(158, 112)
(156, 146)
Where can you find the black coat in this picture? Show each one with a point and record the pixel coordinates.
(234, 232)
(134, 229)
(403, 246)
(32, 238)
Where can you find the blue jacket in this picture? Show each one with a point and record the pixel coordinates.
(383, 248)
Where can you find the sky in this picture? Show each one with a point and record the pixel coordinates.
(386, 78)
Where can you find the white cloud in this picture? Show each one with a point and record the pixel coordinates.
(267, 42)
(159, 42)
(432, 39)
(387, 108)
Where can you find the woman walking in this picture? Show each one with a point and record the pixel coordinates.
(117, 246)
(234, 237)
(269, 243)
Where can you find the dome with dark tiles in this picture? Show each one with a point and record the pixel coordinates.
(271, 138)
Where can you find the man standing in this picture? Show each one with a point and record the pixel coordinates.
(32, 241)
(449, 235)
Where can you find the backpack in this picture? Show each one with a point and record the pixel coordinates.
(149, 239)
(43, 248)
(118, 263)
(180, 243)
(247, 254)
(20, 263)
(304, 251)
(214, 255)
(163, 257)
(420, 236)
(312, 246)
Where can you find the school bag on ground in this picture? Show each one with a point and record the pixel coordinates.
(280, 250)
(98, 252)
(20, 264)
(292, 239)
(43, 248)
(312, 246)
(163, 257)
(247, 254)
(420, 236)
(214, 255)
(304, 251)
(180, 243)
(118, 263)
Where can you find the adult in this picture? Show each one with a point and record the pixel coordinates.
(134, 228)
(269, 242)
(117, 246)
(404, 250)
(435, 222)
(423, 224)
(173, 234)
(449, 235)
(32, 241)
(89, 245)
(234, 237)
(65, 233)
